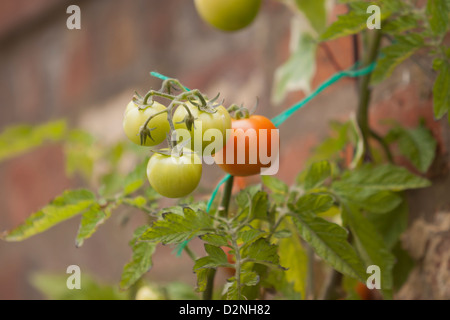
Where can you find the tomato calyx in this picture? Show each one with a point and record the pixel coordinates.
(240, 112)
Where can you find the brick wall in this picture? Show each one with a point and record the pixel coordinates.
(88, 75)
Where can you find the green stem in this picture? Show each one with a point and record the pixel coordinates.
(383, 144)
(190, 253)
(365, 94)
(223, 212)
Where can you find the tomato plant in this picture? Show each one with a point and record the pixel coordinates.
(228, 15)
(343, 213)
(247, 146)
(174, 176)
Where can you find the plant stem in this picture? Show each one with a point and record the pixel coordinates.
(310, 276)
(225, 203)
(223, 212)
(365, 93)
(383, 144)
(190, 253)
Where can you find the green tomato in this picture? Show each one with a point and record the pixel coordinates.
(228, 15)
(134, 119)
(219, 120)
(174, 176)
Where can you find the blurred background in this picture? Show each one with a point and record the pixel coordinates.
(88, 76)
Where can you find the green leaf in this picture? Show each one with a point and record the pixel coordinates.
(261, 251)
(400, 24)
(244, 196)
(90, 221)
(396, 53)
(315, 11)
(259, 204)
(329, 241)
(81, 153)
(353, 22)
(140, 263)
(317, 174)
(216, 258)
(441, 92)
(372, 248)
(392, 224)
(437, 11)
(275, 185)
(19, 139)
(215, 240)
(136, 178)
(314, 203)
(54, 287)
(418, 146)
(297, 72)
(383, 177)
(175, 228)
(295, 260)
(250, 235)
(138, 202)
(403, 266)
(202, 279)
(64, 207)
(374, 201)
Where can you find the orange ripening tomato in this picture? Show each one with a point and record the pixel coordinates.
(249, 146)
(363, 292)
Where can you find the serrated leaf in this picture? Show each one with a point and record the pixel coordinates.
(141, 261)
(202, 279)
(15, 140)
(372, 248)
(244, 196)
(261, 251)
(216, 258)
(247, 279)
(315, 11)
(295, 260)
(64, 207)
(395, 54)
(374, 201)
(418, 146)
(352, 22)
(329, 241)
(441, 92)
(282, 234)
(400, 24)
(297, 72)
(138, 202)
(314, 203)
(248, 236)
(215, 240)
(81, 153)
(258, 205)
(136, 178)
(392, 224)
(175, 228)
(275, 185)
(383, 177)
(90, 221)
(317, 174)
(437, 12)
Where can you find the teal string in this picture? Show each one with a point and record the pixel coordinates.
(282, 117)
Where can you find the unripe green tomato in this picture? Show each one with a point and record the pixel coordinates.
(228, 15)
(134, 119)
(174, 176)
(219, 120)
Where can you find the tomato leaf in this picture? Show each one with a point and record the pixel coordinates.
(441, 91)
(261, 251)
(374, 201)
(140, 263)
(66, 206)
(329, 241)
(297, 72)
(136, 178)
(383, 177)
(372, 248)
(437, 12)
(174, 228)
(317, 174)
(216, 258)
(215, 240)
(392, 224)
(314, 203)
(418, 146)
(90, 221)
(275, 185)
(395, 54)
(315, 11)
(293, 257)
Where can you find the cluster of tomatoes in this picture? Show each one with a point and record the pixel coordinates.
(175, 171)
